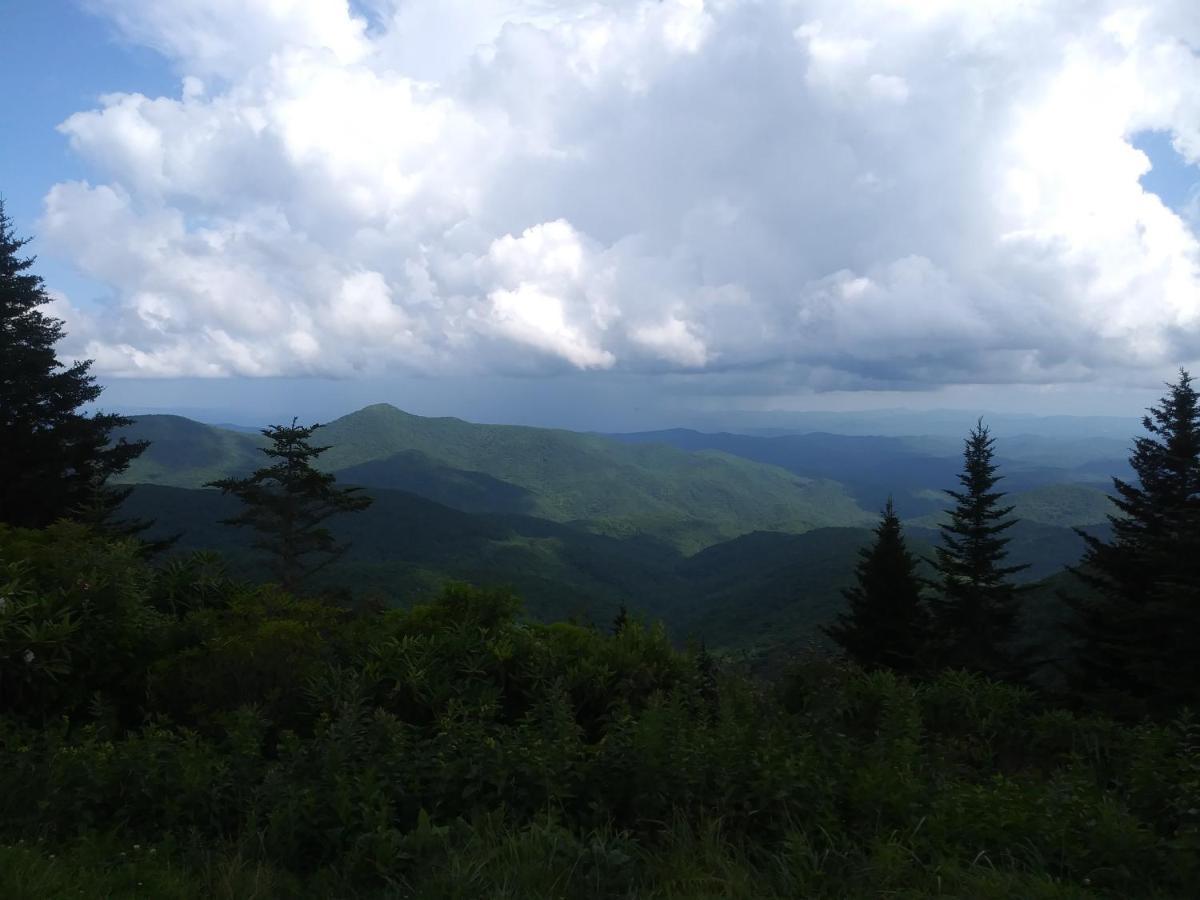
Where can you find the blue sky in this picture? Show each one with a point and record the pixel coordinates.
(63, 59)
(1171, 177)
(466, 208)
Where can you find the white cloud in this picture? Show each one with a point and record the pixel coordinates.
(886, 193)
(548, 295)
(673, 341)
(225, 37)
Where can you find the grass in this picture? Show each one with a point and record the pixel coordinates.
(540, 861)
(100, 866)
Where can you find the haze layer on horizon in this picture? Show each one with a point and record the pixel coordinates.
(619, 404)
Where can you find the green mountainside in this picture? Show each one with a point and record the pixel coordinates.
(1064, 505)
(914, 470)
(770, 590)
(1059, 505)
(764, 597)
(740, 552)
(184, 453)
(1043, 537)
(417, 473)
(1045, 549)
(691, 500)
(404, 548)
(765, 588)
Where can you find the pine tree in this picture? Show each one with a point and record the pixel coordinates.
(707, 678)
(976, 608)
(55, 462)
(620, 620)
(887, 623)
(1139, 632)
(288, 502)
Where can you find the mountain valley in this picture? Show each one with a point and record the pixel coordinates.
(736, 539)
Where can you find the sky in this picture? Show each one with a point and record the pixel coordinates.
(611, 213)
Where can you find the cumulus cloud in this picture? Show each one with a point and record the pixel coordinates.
(889, 193)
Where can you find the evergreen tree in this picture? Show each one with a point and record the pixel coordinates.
(620, 620)
(288, 502)
(887, 623)
(707, 677)
(1139, 631)
(55, 461)
(977, 607)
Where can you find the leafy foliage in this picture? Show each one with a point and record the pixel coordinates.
(76, 624)
(249, 743)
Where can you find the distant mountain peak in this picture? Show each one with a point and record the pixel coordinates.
(391, 412)
(378, 409)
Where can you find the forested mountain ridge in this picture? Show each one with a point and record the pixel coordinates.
(691, 500)
(910, 469)
(580, 524)
(734, 593)
(1068, 505)
(616, 480)
(405, 548)
(186, 453)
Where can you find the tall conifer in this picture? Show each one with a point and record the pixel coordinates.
(288, 503)
(1139, 631)
(55, 461)
(886, 625)
(976, 608)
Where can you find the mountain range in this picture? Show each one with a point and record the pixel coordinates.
(735, 538)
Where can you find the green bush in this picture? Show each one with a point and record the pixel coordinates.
(260, 647)
(275, 746)
(76, 623)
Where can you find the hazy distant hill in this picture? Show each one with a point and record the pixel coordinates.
(1063, 505)
(1043, 536)
(183, 453)
(689, 499)
(578, 524)
(871, 468)
(912, 470)
(951, 424)
(1046, 549)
